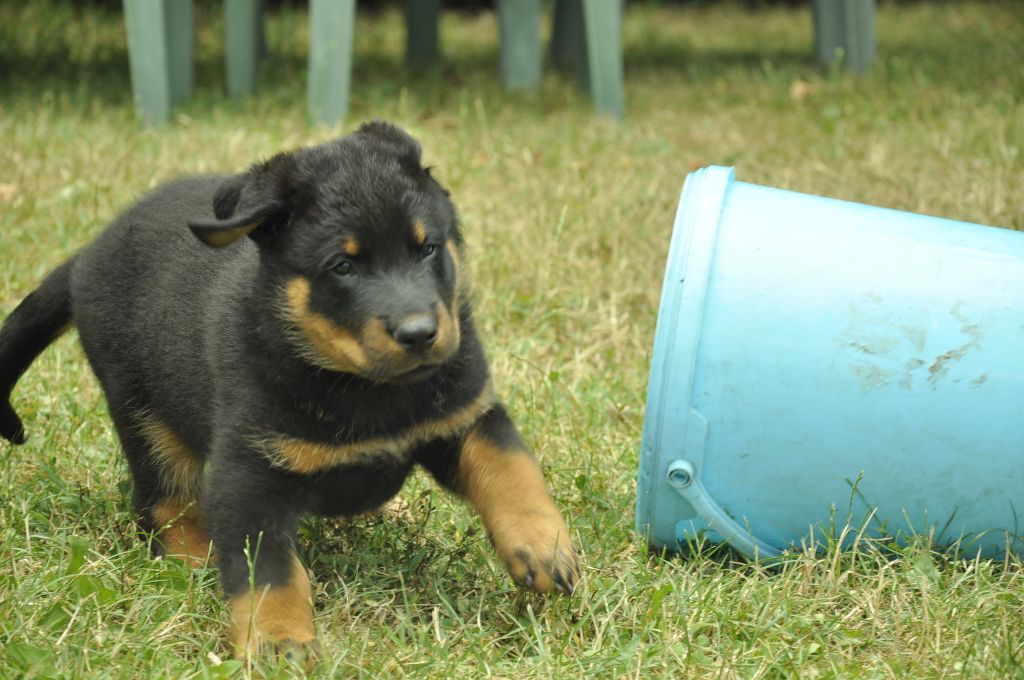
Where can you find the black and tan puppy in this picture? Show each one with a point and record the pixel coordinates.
(292, 339)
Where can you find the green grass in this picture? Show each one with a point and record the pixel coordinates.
(567, 219)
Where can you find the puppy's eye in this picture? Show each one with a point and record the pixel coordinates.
(428, 250)
(343, 268)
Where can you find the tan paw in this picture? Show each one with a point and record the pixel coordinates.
(276, 620)
(305, 654)
(537, 552)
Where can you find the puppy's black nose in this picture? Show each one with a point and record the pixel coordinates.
(416, 333)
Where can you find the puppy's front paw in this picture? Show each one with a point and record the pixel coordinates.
(536, 549)
(506, 486)
(306, 655)
(276, 620)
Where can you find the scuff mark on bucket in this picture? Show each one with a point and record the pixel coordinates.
(881, 337)
(940, 366)
(875, 345)
(917, 335)
(871, 376)
(907, 382)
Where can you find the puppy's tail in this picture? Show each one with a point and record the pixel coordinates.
(39, 320)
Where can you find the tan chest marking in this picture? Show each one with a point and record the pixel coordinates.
(305, 457)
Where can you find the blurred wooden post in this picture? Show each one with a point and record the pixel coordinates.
(587, 39)
(422, 18)
(603, 30)
(243, 22)
(519, 25)
(568, 46)
(160, 46)
(844, 31)
(331, 25)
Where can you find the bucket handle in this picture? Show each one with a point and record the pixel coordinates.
(682, 475)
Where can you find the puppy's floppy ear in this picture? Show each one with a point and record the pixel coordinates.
(253, 203)
(395, 138)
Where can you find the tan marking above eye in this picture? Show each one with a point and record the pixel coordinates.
(307, 457)
(350, 246)
(419, 232)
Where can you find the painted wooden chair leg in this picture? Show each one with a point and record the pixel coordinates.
(243, 20)
(844, 30)
(519, 26)
(568, 43)
(261, 37)
(602, 22)
(331, 25)
(181, 48)
(160, 45)
(422, 19)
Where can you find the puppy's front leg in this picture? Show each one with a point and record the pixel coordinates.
(253, 517)
(494, 470)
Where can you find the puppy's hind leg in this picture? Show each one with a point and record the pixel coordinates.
(175, 511)
(167, 480)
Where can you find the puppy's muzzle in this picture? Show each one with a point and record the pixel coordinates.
(415, 333)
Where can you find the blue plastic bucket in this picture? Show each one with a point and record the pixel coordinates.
(820, 364)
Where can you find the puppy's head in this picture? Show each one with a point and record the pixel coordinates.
(361, 245)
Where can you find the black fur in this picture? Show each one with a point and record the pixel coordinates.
(29, 329)
(195, 337)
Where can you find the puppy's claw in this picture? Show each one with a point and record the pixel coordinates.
(558, 573)
(305, 655)
(568, 576)
(563, 583)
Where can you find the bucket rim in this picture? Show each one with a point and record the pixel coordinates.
(680, 312)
